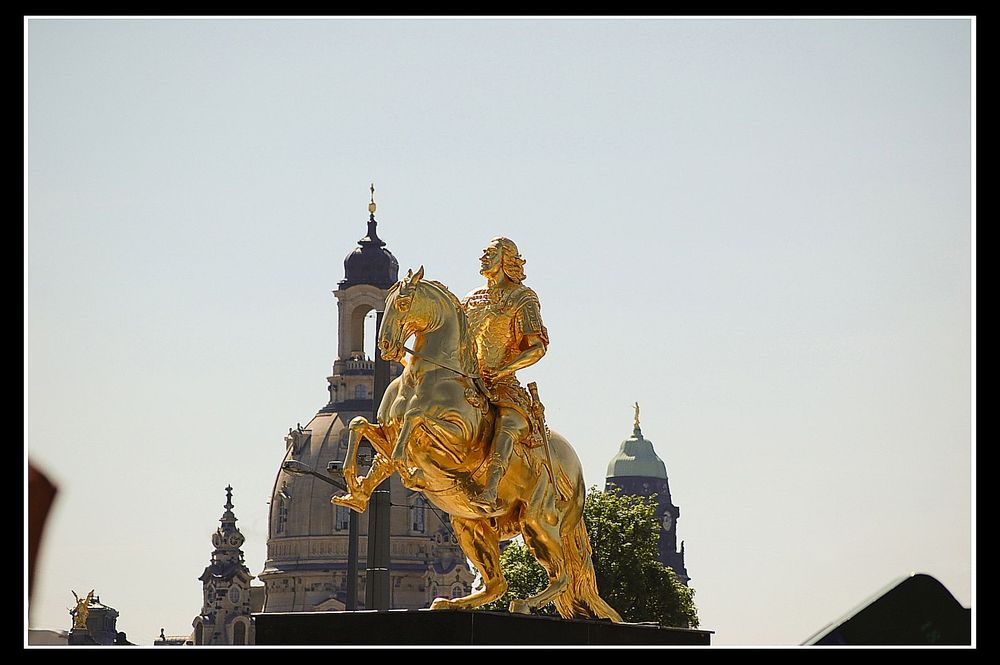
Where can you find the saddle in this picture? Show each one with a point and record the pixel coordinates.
(510, 395)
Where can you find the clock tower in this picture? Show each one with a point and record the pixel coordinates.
(225, 611)
(637, 470)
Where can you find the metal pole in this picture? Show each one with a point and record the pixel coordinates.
(352, 561)
(377, 589)
(336, 468)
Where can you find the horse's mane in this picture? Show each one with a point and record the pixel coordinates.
(451, 296)
(467, 349)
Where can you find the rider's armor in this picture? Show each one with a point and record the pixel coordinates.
(499, 324)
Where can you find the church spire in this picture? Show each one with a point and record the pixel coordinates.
(370, 262)
(227, 538)
(372, 239)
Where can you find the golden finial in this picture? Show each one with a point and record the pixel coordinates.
(371, 206)
(637, 415)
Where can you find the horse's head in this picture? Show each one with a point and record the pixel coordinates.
(418, 306)
(405, 315)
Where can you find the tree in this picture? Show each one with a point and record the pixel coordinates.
(624, 535)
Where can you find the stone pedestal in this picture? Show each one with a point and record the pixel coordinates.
(459, 627)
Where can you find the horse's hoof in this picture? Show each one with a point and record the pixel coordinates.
(350, 501)
(518, 606)
(441, 604)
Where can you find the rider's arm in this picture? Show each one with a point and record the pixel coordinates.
(533, 336)
(529, 356)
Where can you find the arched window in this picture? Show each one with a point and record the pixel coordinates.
(359, 392)
(239, 633)
(199, 634)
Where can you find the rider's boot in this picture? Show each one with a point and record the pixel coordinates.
(503, 446)
(488, 497)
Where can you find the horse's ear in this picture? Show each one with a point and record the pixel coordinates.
(419, 276)
(409, 275)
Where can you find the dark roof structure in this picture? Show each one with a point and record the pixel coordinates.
(370, 262)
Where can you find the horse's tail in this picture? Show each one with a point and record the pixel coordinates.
(581, 599)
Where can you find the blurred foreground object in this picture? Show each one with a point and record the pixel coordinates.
(913, 610)
(41, 493)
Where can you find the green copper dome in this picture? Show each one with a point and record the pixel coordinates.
(636, 458)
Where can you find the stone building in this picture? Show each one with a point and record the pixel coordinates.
(306, 566)
(99, 627)
(227, 601)
(637, 470)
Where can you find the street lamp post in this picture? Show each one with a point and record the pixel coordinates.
(336, 468)
(377, 578)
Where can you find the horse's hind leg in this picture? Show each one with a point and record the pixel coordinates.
(360, 489)
(544, 541)
(479, 542)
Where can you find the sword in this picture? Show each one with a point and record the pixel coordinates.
(539, 409)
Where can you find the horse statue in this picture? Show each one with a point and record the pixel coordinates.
(434, 428)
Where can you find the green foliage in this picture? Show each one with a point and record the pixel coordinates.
(624, 535)
(525, 577)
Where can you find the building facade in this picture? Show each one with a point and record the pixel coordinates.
(637, 470)
(306, 566)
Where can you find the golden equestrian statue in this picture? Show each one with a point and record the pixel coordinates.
(457, 426)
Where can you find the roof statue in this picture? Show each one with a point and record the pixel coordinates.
(82, 610)
(459, 427)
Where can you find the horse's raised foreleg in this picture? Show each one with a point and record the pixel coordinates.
(479, 542)
(359, 489)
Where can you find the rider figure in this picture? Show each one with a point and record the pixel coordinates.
(505, 322)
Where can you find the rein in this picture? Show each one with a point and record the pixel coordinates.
(434, 362)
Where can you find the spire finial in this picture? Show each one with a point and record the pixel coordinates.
(635, 428)
(371, 206)
(229, 497)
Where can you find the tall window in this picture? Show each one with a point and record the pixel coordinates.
(417, 515)
(199, 634)
(341, 518)
(239, 633)
(282, 515)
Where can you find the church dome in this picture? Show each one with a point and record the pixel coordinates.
(370, 263)
(636, 457)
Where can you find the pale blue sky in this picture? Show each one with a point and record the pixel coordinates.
(760, 230)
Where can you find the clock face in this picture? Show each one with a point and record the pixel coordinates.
(668, 521)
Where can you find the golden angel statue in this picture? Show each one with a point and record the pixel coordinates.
(82, 610)
(458, 426)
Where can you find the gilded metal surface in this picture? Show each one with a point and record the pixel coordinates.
(81, 611)
(432, 429)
